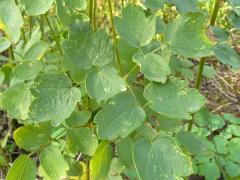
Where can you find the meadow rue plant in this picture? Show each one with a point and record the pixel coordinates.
(114, 101)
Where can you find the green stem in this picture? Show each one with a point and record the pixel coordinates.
(114, 37)
(53, 33)
(203, 59)
(129, 72)
(24, 36)
(87, 169)
(199, 73)
(4, 155)
(41, 24)
(218, 162)
(11, 52)
(30, 26)
(215, 12)
(122, 3)
(90, 10)
(94, 15)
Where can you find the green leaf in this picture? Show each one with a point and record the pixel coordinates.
(221, 34)
(36, 51)
(53, 162)
(16, 101)
(209, 170)
(168, 124)
(233, 147)
(67, 11)
(55, 99)
(27, 70)
(36, 7)
(193, 143)
(216, 122)
(159, 159)
(35, 38)
(23, 168)
(126, 52)
(75, 167)
(185, 6)
(100, 162)
(82, 140)
(221, 144)
(78, 118)
(227, 55)
(153, 66)
(134, 27)
(116, 169)
(88, 48)
(234, 19)
(232, 169)
(236, 6)
(124, 151)
(208, 71)
(31, 137)
(10, 23)
(173, 99)
(234, 129)
(186, 36)
(231, 118)
(202, 117)
(104, 83)
(154, 5)
(119, 117)
(181, 66)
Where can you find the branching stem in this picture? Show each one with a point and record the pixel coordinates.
(202, 60)
(53, 33)
(114, 37)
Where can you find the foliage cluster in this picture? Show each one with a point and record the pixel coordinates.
(115, 104)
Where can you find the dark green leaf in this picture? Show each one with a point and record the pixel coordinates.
(55, 99)
(134, 27)
(119, 117)
(82, 140)
(186, 36)
(173, 99)
(36, 7)
(104, 83)
(153, 66)
(157, 159)
(227, 55)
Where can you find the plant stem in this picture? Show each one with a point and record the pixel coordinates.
(215, 12)
(90, 10)
(54, 36)
(122, 3)
(94, 15)
(199, 73)
(24, 36)
(218, 162)
(30, 26)
(114, 37)
(11, 53)
(203, 59)
(4, 156)
(129, 72)
(87, 169)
